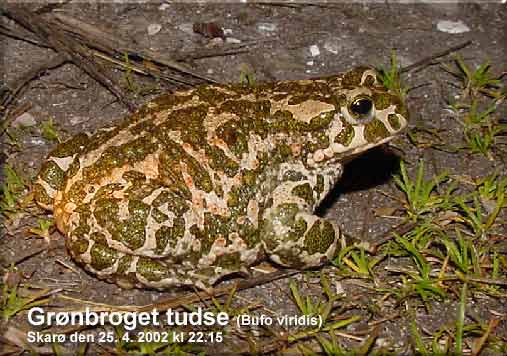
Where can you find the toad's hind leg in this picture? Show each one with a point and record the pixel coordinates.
(128, 271)
(293, 236)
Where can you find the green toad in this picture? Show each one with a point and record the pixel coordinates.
(202, 183)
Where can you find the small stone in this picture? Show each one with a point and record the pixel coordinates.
(24, 120)
(339, 288)
(210, 71)
(36, 141)
(227, 31)
(164, 6)
(309, 63)
(154, 28)
(232, 40)
(187, 28)
(332, 46)
(75, 120)
(314, 50)
(452, 27)
(266, 27)
(217, 41)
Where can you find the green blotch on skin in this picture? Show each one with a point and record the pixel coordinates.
(117, 156)
(199, 175)
(297, 99)
(72, 146)
(284, 121)
(78, 246)
(189, 122)
(382, 100)
(175, 202)
(211, 94)
(84, 212)
(151, 269)
(220, 162)
(320, 237)
(249, 177)
(214, 226)
(73, 168)
(158, 216)
(106, 212)
(52, 174)
(305, 192)
(394, 121)
(235, 139)
(159, 104)
(353, 78)
(41, 196)
(124, 264)
(239, 196)
(301, 92)
(293, 176)
(99, 238)
(137, 150)
(369, 81)
(246, 108)
(142, 127)
(341, 101)
(132, 231)
(281, 153)
(102, 256)
(80, 232)
(319, 187)
(170, 169)
(171, 175)
(321, 141)
(229, 261)
(170, 235)
(250, 234)
(107, 190)
(375, 131)
(77, 191)
(100, 137)
(138, 210)
(346, 135)
(134, 176)
(321, 121)
(139, 190)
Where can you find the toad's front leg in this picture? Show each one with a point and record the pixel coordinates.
(292, 235)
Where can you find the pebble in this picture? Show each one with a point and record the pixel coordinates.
(452, 27)
(164, 6)
(154, 28)
(314, 50)
(217, 41)
(227, 31)
(266, 27)
(332, 46)
(232, 40)
(310, 63)
(36, 141)
(26, 120)
(75, 120)
(187, 28)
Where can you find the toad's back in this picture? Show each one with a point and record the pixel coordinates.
(201, 183)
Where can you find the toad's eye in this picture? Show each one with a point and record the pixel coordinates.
(362, 107)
